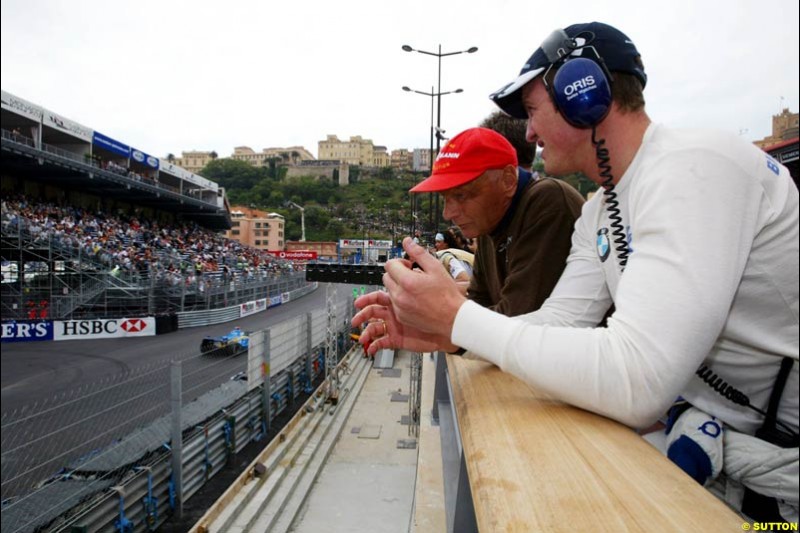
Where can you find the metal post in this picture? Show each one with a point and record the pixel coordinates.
(266, 390)
(331, 344)
(438, 129)
(177, 436)
(309, 355)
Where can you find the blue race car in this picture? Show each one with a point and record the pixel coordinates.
(234, 342)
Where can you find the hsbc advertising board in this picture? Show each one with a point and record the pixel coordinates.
(296, 255)
(64, 330)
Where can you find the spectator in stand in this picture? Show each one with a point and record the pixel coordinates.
(134, 244)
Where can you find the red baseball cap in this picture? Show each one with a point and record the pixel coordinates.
(465, 157)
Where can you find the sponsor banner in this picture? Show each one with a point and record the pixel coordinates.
(363, 243)
(285, 297)
(274, 300)
(144, 159)
(203, 182)
(64, 330)
(175, 170)
(66, 125)
(21, 107)
(294, 255)
(27, 330)
(252, 307)
(107, 143)
(788, 157)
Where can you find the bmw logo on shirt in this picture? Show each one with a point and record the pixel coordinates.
(603, 245)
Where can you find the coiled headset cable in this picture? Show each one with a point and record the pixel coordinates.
(612, 204)
(733, 394)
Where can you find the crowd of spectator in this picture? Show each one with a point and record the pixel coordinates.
(171, 254)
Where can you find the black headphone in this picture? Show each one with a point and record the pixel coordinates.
(581, 88)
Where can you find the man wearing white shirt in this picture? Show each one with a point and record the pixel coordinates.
(694, 241)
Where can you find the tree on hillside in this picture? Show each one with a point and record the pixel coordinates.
(232, 174)
(273, 168)
(386, 173)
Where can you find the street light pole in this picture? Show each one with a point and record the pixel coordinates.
(434, 131)
(302, 220)
(439, 55)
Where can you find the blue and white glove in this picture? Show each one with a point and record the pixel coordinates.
(694, 443)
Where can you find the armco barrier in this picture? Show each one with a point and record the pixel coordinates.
(190, 319)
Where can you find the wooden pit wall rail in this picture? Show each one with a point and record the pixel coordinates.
(536, 464)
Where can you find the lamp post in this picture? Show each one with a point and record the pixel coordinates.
(439, 55)
(302, 219)
(433, 133)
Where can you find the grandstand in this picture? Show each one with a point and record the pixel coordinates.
(92, 227)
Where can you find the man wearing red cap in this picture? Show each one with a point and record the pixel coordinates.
(694, 239)
(523, 226)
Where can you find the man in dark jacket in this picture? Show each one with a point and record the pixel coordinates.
(523, 224)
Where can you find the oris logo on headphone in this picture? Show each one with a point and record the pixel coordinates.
(580, 86)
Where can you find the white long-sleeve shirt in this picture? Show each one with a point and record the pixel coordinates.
(712, 223)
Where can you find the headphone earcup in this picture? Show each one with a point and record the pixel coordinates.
(581, 92)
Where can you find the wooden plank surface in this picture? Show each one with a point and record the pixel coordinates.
(536, 464)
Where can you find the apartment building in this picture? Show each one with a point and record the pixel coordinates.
(292, 155)
(784, 127)
(356, 151)
(193, 161)
(380, 157)
(402, 159)
(256, 228)
(421, 159)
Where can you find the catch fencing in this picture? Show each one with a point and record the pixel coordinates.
(124, 454)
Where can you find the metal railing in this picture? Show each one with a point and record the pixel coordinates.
(87, 287)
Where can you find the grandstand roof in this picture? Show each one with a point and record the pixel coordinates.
(32, 164)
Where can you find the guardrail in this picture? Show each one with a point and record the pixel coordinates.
(190, 319)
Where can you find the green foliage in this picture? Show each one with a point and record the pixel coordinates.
(308, 189)
(581, 183)
(376, 204)
(233, 174)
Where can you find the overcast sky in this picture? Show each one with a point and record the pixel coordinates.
(167, 76)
